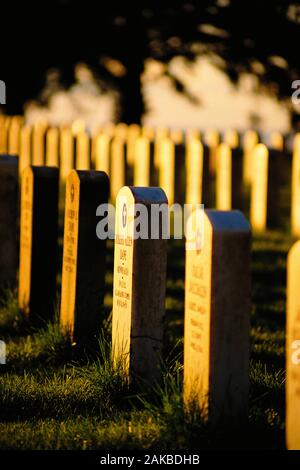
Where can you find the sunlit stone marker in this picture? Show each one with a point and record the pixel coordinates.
(264, 204)
(212, 139)
(83, 269)
(217, 315)
(276, 141)
(83, 151)
(197, 179)
(293, 349)
(118, 167)
(66, 154)
(3, 135)
(52, 137)
(102, 153)
(295, 189)
(14, 136)
(8, 220)
(78, 126)
(139, 284)
(176, 135)
(167, 168)
(192, 133)
(38, 143)
(38, 242)
(134, 132)
(229, 194)
(232, 138)
(141, 175)
(251, 139)
(149, 132)
(109, 128)
(161, 133)
(121, 131)
(179, 172)
(25, 148)
(95, 133)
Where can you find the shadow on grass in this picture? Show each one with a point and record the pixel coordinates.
(12, 322)
(96, 388)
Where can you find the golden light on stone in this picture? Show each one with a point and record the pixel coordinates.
(217, 316)
(167, 168)
(52, 146)
(117, 172)
(295, 189)
(251, 139)
(259, 192)
(66, 154)
(142, 162)
(223, 177)
(83, 160)
(102, 153)
(25, 148)
(139, 270)
(293, 350)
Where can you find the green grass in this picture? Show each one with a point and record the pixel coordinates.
(56, 396)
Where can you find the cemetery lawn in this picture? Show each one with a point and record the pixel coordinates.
(55, 396)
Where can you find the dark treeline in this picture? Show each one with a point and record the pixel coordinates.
(249, 35)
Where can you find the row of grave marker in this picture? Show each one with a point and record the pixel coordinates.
(11, 127)
(217, 286)
(184, 172)
(139, 283)
(39, 144)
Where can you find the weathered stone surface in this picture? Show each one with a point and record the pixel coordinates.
(38, 242)
(217, 314)
(139, 288)
(83, 272)
(293, 350)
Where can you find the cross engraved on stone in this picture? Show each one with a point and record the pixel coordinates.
(72, 192)
(124, 215)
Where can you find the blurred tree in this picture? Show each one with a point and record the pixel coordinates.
(115, 38)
